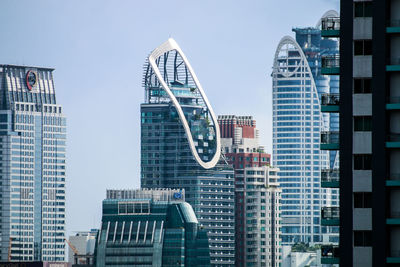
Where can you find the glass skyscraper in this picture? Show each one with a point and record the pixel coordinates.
(298, 86)
(32, 170)
(181, 147)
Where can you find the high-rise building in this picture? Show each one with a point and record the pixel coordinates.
(32, 172)
(150, 228)
(257, 196)
(298, 86)
(368, 140)
(240, 142)
(181, 148)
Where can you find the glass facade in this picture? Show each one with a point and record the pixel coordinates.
(297, 88)
(150, 228)
(32, 173)
(179, 146)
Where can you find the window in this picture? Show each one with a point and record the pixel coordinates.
(363, 200)
(362, 123)
(362, 86)
(362, 238)
(362, 47)
(363, 9)
(362, 162)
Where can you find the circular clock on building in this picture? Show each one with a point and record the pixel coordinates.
(31, 79)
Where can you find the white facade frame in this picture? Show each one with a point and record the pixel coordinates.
(170, 45)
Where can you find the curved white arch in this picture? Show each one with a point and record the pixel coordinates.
(328, 14)
(169, 45)
(289, 40)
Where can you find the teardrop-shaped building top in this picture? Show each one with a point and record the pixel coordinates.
(169, 78)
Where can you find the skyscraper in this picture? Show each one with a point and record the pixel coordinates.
(368, 141)
(257, 196)
(298, 86)
(32, 173)
(150, 228)
(180, 146)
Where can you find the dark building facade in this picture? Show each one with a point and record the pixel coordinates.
(368, 141)
(150, 228)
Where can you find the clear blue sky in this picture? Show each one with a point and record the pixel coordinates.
(98, 49)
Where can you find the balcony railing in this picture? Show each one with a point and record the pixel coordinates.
(394, 137)
(393, 26)
(395, 253)
(330, 99)
(330, 65)
(331, 23)
(394, 23)
(332, 61)
(394, 217)
(394, 176)
(329, 254)
(329, 251)
(330, 178)
(329, 141)
(393, 140)
(330, 103)
(329, 137)
(394, 64)
(330, 213)
(393, 99)
(394, 61)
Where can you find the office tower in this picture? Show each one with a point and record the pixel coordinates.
(257, 196)
(368, 107)
(32, 173)
(180, 146)
(150, 227)
(298, 87)
(82, 244)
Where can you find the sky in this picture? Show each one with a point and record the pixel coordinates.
(98, 49)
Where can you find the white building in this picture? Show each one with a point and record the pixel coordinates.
(83, 242)
(261, 216)
(297, 125)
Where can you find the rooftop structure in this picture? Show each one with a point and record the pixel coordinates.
(150, 227)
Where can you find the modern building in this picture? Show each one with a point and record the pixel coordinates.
(257, 196)
(32, 172)
(83, 243)
(181, 147)
(293, 258)
(150, 228)
(298, 87)
(368, 140)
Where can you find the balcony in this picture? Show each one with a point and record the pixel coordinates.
(329, 254)
(393, 26)
(330, 216)
(394, 64)
(330, 178)
(330, 103)
(330, 65)
(394, 218)
(393, 140)
(394, 257)
(394, 180)
(330, 27)
(393, 103)
(329, 141)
